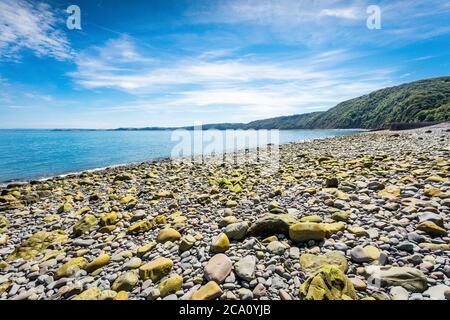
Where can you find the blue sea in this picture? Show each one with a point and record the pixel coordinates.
(35, 154)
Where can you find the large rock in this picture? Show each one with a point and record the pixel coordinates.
(170, 285)
(125, 282)
(37, 243)
(109, 219)
(437, 292)
(187, 242)
(71, 267)
(432, 229)
(409, 278)
(361, 254)
(168, 234)
(245, 268)
(98, 262)
(156, 269)
(433, 217)
(89, 294)
(218, 268)
(272, 224)
(220, 244)
(332, 228)
(84, 225)
(209, 291)
(276, 247)
(140, 227)
(399, 293)
(329, 283)
(305, 231)
(237, 231)
(311, 264)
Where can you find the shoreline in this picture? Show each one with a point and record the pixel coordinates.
(374, 204)
(4, 184)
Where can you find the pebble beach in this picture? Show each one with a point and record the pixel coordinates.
(364, 216)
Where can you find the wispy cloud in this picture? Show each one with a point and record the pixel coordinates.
(33, 26)
(313, 22)
(252, 86)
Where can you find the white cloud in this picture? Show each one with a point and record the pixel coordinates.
(33, 26)
(327, 22)
(252, 86)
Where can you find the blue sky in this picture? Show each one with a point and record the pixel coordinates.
(174, 63)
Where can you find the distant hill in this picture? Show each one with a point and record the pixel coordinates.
(420, 101)
(416, 102)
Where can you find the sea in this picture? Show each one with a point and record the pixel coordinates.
(38, 154)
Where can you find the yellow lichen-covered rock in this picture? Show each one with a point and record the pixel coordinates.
(227, 220)
(71, 267)
(209, 291)
(435, 246)
(372, 252)
(170, 285)
(98, 263)
(140, 227)
(4, 286)
(65, 207)
(341, 195)
(309, 190)
(390, 192)
(168, 234)
(179, 220)
(128, 199)
(220, 244)
(156, 269)
(312, 263)
(107, 229)
(305, 231)
(84, 225)
(89, 294)
(125, 282)
(269, 239)
(108, 219)
(160, 220)
(204, 198)
(7, 198)
(37, 243)
(313, 218)
(231, 204)
(3, 239)
(358, 231)
(107, 295)
(4, 222)
(436, 179)
(145, 248)
(432, 229)
(433, 192)
(342, 216)
(164, 194)
(329, 283)
(187, 242)
(332, 228)
(82, 211)
(121, 296)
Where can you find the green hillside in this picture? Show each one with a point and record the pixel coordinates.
(420, 101)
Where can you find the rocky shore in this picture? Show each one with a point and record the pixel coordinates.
(352, 217)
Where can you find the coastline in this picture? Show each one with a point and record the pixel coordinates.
(374, 201)
(4, 184)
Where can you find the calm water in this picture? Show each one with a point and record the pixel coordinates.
(32, 154)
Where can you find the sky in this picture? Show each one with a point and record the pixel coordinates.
(179, 63)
